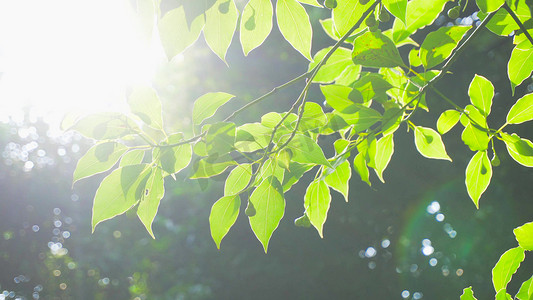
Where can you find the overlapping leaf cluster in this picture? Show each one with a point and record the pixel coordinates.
(369, 88)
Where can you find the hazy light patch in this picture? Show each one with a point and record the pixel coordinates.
(71, 55)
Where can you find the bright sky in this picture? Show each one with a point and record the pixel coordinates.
(63, 55)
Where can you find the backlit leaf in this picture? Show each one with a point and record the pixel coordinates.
(438, 45)
(474, 138)
(335, 65)
(522, 110)
(316, 201)
(420, 13)
(173, 159)
(373, 49)
(220, 138)
(359, 164)
(145, 104)
(220, 25)
(347, 13)
(363, 119)
(481, 92)
(520, 66)
(207, 105)
(223, 215)
(447, 120)
(99, 158)
(339, 179)
(506, 267)
(269, 204)
(256, 24)
(151, 196)
(478, 175)
(383, 155)
(521, 150)
(103, 126)
(468, 294)
(524, 236)
(294, 24)
(397, 7)
(488, 6)
(211, 166)
(238, 179)
(176, 33)
(526, 290)
(118, 192)
(132, 157)
(429, 143)
(305, 150)
(310, 2)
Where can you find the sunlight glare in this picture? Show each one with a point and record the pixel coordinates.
(70, 55)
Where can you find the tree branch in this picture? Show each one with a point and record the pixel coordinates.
(518, 22)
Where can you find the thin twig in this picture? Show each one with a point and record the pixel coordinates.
(518, 22)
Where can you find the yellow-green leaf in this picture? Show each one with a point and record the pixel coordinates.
(524, 236)
(152, 194)
(269, 205)
(481, 92)
(522, 110)
(99, 158)
(339, 179)
(223, 215)
(207, 105)
(429, 143)
(220, 25)
(238, 179)
(256, 24)
(478, 175)
(176, 33)
(145, 104)
(294, 24)
(506, 267)
(316, 201)
(383, 155)
(374, 49)
(447, 120)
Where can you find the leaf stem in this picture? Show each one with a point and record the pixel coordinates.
(517, 21)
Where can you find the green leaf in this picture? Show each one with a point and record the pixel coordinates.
(374, 49)
(522, 110)
(503, 295)
(220, 25)
(473, 116)
(362, 119)
(481, 92)
(334, 66)
(521, 150)
(526, 290)
(478, 175)
(337, 96)
(270, 168)
(420, 13)
(256, 24)
(293, 174)
(397, 7)
(429, 143)
(223, 215)
(468, 294)
(520, 66)
(252, 137)
(474, 138)
(133, 157)
(173, 159)
(310, 2)
(118, 192)
(383, 155)
(220, 138)
(438, 45)
(145, 104)
(153, 192)
(488, 6)
(524, 236)
(103, 126)
(392, 118)
(294, 24)
(316, 201)
(347, 13)
(372, 86)
(506, 267)
(211, 166)
(176, 33)
(502, 23)
(207, 105)
(447, 120)
(238, 179)
(312, 118)
(269, 204)
(99, 158)
(359, 164)
(339, 179)
(305, 150)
